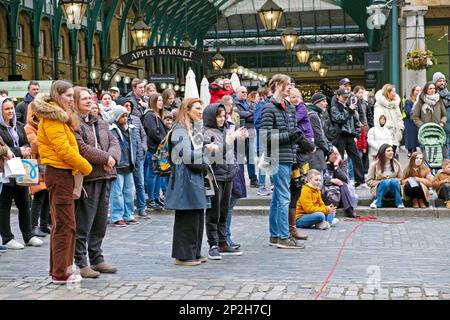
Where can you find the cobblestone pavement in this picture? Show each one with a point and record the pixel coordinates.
(380, 261)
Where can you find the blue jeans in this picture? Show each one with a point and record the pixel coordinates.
(230, 217)
(138, 177)
(250, 155)
(163, 183)
(351, 174)
(152, 181)
(391, 186)
(310, 219)
(262, 178)
(281, 197)
(121, 198)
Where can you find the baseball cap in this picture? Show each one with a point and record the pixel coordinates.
(343, 93)
(344, 81)
(114, 89)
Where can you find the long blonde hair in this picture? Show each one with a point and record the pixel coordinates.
(58, 88)
(183, 117)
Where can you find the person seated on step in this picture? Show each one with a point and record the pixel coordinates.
(384, 178)
(311, 210)
(335, 189)
(441, 183)
(417, 179)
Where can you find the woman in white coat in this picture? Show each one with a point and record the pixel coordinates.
(377, 136)
(388, 104)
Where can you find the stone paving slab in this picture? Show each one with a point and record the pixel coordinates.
(380, 261)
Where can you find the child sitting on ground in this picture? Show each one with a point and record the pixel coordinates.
(311, 210)
(441, 183)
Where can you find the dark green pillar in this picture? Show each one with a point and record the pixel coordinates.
(395, 49)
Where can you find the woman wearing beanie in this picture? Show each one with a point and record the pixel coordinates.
(58, 150)
(429, 107)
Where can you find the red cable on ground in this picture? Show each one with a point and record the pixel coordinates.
(362, 220)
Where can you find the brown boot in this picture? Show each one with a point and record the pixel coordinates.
(104, 268)
(87, 272)
(422, 204)
(415, 203)
(447, 204)
(293, 228)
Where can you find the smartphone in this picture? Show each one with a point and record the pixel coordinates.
(242, 123)
(353, 100)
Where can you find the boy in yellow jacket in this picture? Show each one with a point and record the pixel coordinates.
(311, 210)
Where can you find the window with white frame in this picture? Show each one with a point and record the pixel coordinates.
(20, 38)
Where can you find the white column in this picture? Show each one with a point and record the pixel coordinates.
(412, 37)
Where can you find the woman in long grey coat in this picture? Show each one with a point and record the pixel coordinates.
(186, 193)
(96, 144)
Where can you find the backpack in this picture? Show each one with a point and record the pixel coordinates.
(162, 163)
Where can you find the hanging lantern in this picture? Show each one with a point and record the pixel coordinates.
(187, 41)
(289, 37)
(140, 32)
(218, 60)
(234, 68)
(240, 70)
(323, 71)
(315, 63)
(270, 15)
(74, 11)
(303, 53)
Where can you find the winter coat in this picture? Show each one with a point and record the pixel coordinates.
(376, 137)
(410, 128)
(424, 184)
(439, 180)
(31, 129)
(310, 201)
(445, 97)
(22, 108)
(391, 110)
(246, 111)
(375, 175)
(438, 116)
(275, 117)
(128, 147)
(3, 152)
(365, 114)
(303, 122)
(96, 143)
(56, 138)
(217, 92)
(137, 110)
(142, 148)
(155, 129)
(223, 161)
(323, 145)
(186, 184)
(345, 120)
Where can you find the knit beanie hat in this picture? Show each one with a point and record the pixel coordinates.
(117, 112)
(438, 76)
(317, 97)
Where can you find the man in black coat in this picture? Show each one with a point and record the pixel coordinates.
(22, 107)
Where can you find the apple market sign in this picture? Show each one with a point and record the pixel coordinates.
(151, 52)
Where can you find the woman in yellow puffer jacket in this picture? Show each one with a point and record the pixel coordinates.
(58, 150)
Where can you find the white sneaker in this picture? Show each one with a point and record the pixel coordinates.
(373, 205)
(73, 278)
(323, 225)
(35, 242)
(334, 222)
(14, 245)
(401, 206)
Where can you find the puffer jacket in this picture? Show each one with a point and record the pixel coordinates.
(323, 145)
(155, 129)
(96, 143)
(217, 92)
(56, 138)
(223, 162)
(128, 147)
(276, 123)
(345, 120)
(391, 110)
(142, 135)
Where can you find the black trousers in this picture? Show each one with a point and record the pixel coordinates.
(40, 209)
(91, 215)
(347, 143)
(21, 199)
(445, 192)
(415, 192)
(188, 234)
(216, 217)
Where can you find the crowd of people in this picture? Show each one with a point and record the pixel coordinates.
(96, 157)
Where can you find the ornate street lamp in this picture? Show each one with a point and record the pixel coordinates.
(74, 11)
(323, 71)
(270, 15)
(240, 70)
(218, 60)
(140, 32)
(315, 63)
(187, 42)
(289, 37)
(303, 53)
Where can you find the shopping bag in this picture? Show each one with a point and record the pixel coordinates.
(31, 177)
(14, 168)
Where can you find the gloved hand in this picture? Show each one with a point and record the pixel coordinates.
(295, 134)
